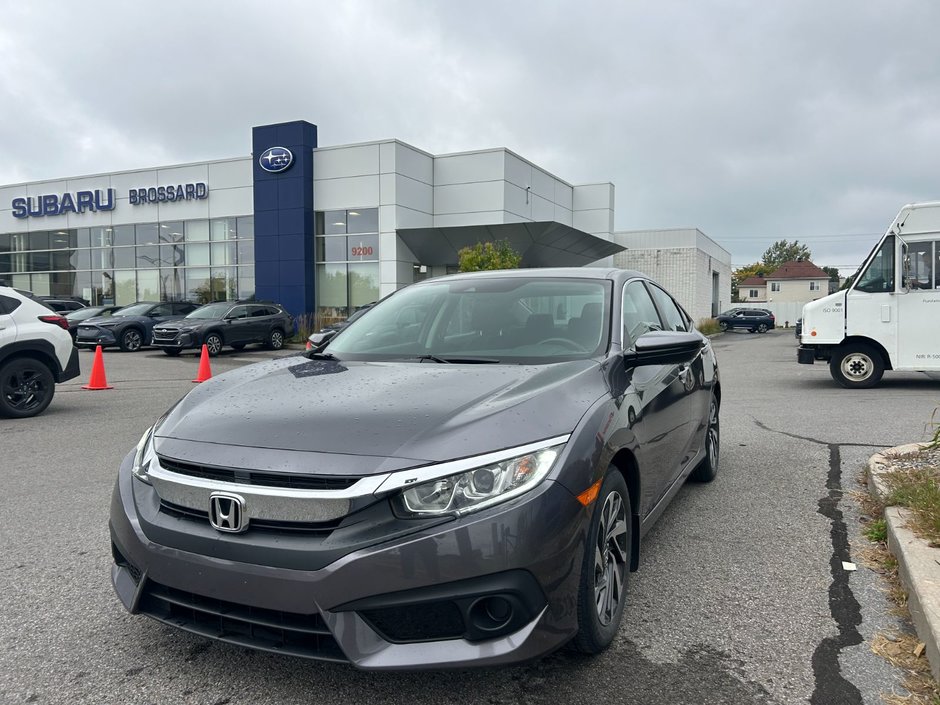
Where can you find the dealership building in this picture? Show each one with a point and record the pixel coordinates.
(319, 229)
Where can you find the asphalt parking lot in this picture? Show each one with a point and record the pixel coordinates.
(740, 598)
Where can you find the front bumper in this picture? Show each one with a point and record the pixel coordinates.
(383, 606)
(806, 355)
(101, 336)
(181, 341)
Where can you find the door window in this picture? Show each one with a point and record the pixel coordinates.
(238, 312)
(669, 310)
(639, 313)
(919, 265)
(879, 276)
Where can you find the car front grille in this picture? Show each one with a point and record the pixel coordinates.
(304, 635)
(164, 334)
(261, 479)
(321, 528)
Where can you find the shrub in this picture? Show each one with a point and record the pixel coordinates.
(708, 326)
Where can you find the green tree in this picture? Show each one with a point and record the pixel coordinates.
(784, 251)
(833, 273)
(488, 255)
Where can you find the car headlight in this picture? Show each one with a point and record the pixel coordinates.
(185, 329)
(144, 455)
(480, 487)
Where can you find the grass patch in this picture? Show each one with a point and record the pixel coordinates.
(708, 326)
(876, 531)
(917, 488)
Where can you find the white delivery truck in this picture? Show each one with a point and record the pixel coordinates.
(889, 319)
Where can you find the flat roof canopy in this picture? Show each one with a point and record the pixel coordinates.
(546, 244)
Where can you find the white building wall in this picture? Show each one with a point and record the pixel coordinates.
(683, 261)
(796, 290)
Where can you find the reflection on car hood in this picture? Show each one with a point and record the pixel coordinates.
(420, 411)
(179, 322)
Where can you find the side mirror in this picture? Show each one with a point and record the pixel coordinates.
(318, 340)
(663, 348)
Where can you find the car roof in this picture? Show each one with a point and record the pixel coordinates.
(607, 273)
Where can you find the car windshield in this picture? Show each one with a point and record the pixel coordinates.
(484, 319)
(133, 310)
(83, 313)
(211, 311)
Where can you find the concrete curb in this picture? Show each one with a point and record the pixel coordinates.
(918, 563)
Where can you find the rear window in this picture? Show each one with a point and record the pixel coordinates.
(8, 304)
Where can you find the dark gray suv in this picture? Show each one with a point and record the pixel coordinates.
(470, 490)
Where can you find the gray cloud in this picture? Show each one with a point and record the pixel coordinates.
(751, 121)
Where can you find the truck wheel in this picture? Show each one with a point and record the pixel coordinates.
(856, 366)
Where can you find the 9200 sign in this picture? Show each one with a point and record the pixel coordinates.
(361, 251)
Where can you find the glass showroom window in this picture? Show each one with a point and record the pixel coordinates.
(347, 254)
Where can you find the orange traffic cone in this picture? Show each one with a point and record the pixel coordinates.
(205, 372)
(98, 380)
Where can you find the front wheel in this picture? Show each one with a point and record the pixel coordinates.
(603, 587)
(131, 340)
(26, 388)
(213, 343)
(856, 366)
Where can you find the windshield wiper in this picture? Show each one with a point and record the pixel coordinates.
(459, 360)
(314, 355)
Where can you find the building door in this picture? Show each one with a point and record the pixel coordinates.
(715, 294)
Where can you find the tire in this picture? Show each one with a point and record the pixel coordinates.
(238, 346)
(26, 388)
(708, 468)
(605, 567)
(172, 352)
(131, 340)
(275, 339)
(762, 328)
(213, 343)
(856, 366)
(723, 325)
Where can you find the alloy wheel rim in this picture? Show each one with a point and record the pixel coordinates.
(277, 339)
(713, 436)
(24, 390)
(610, 558)
(214, 344)
(857, 367)
(132, 340)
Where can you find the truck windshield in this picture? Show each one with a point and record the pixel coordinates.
(878, 277)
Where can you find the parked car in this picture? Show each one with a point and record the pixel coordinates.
(758, 320)
(83, 314)
(130, 327)
(36, 352)
(62, 306)
(468, 491)
(226, 323)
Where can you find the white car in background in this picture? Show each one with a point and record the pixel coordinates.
(36, 352)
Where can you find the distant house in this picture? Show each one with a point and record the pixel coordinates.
(796, 280)
(753, 289)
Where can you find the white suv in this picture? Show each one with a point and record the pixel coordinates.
(36, 351)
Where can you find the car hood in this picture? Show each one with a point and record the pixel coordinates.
(385, 414)
(179, 322)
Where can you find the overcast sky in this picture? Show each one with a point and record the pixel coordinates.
(753, 121)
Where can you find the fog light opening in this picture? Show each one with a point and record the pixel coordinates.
(489, 614)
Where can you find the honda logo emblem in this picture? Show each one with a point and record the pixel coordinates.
(227, 512)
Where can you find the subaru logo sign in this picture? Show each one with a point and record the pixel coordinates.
(276, 159)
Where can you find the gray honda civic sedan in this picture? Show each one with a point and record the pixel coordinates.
(461, 477)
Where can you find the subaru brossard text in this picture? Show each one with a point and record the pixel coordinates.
(467, 490)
